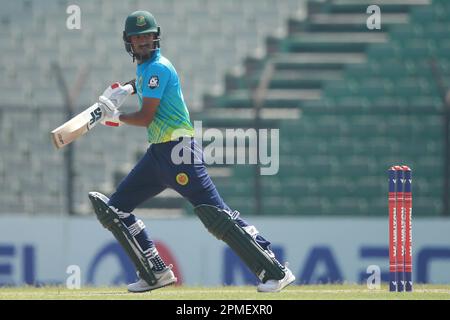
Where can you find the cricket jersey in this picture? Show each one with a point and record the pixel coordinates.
(157, 78)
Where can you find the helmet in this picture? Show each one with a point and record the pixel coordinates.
(140, 22)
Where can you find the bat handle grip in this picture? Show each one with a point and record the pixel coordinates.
(129, 88)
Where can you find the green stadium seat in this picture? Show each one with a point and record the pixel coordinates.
(313, 205)
(383, 50)
(349, 206)
(276, 206)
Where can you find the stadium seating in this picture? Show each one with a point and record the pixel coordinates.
(202, 39)
(377, 104)
(349, 102)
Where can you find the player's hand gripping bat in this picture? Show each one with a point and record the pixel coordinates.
(111, 99)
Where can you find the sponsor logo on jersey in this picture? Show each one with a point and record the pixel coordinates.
(153, 82)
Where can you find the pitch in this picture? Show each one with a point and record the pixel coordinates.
(310, 292)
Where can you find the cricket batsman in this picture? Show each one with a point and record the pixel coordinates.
(164, 114)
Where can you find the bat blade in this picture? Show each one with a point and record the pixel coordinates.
(77, 126)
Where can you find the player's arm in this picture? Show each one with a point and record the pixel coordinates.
(143, 117)
(154, 84)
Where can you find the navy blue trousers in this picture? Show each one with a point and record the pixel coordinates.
(156, 171)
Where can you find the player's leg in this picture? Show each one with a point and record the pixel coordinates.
(250, 246)
(198, 188)
(224, 223)
(193, 182)
(140, 184)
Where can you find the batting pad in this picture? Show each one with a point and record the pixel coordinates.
(111, 221)
(222, 225)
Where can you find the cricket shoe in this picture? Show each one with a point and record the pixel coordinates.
(164, 278)
(277, 285)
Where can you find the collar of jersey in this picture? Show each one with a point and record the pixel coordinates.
(156, 54)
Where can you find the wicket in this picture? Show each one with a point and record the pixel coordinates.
(400, 229)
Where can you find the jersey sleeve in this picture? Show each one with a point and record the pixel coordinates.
(156, 78)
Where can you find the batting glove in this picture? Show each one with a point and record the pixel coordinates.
(111, 118)
(114, 96)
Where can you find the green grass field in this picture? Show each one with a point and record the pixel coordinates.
(311, 292)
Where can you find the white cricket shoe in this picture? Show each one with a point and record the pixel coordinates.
(277, 285)
(164, 278)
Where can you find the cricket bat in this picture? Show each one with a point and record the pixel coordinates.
(89, 118)
(77, 126)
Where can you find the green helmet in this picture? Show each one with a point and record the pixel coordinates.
(140, 22)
